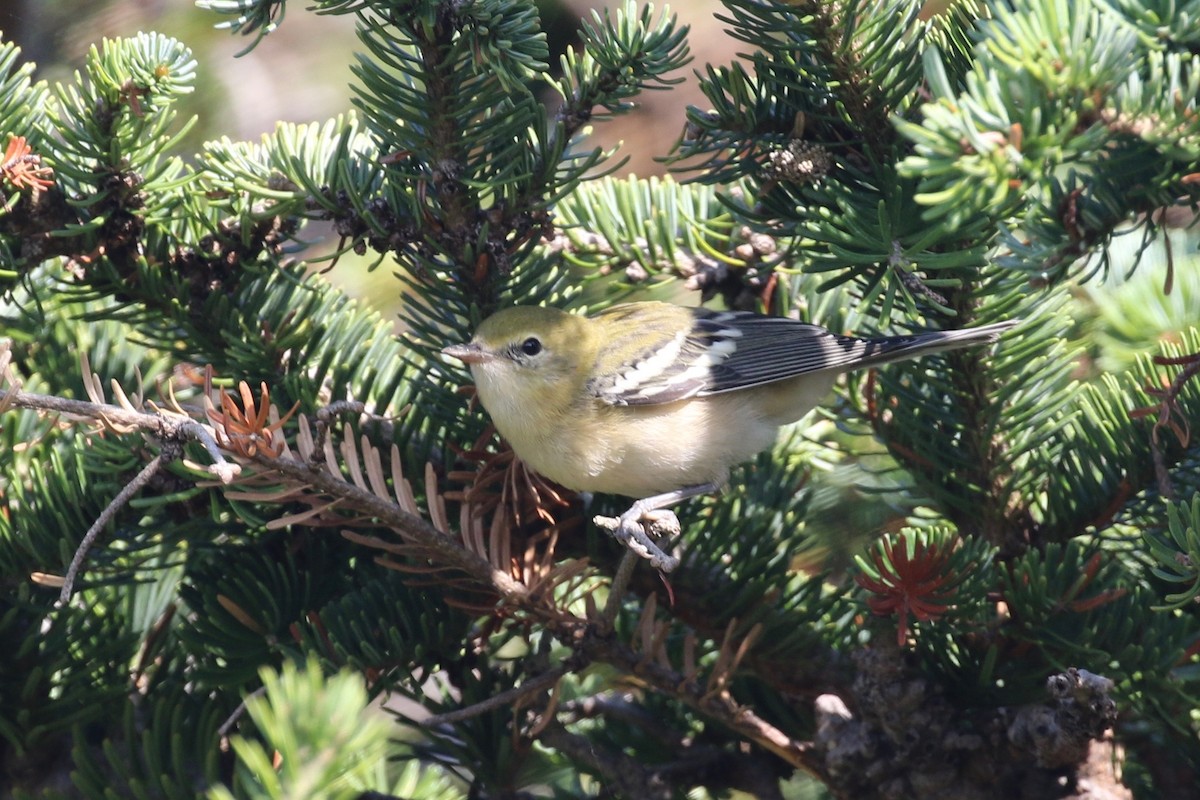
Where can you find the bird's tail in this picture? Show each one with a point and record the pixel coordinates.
(898, 348)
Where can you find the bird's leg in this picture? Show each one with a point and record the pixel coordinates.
(650, 515)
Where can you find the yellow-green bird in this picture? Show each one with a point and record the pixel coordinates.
(657, 401)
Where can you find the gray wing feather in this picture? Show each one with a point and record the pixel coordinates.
(730, 350)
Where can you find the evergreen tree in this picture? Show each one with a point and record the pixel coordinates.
(970, 576)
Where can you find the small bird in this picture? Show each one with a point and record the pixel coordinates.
(657, 401)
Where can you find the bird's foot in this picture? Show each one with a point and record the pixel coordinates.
(635, 529)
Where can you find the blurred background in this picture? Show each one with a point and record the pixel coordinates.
(301, 73)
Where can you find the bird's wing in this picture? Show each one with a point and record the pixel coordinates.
(722, 351)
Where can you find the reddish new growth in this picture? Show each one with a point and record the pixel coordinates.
(246, 430)
(916, 584)
(23, 168)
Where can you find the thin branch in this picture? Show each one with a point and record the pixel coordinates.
(507, 697)
(162, 425)
(231, 720)
(326, 416)
(720, 707)
(616, 591)
(622, 706)
(626, 775)
(1169, 405)
(170, 427)
(751, 773)
(118, 502)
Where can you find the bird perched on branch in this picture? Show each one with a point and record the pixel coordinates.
(657, 401)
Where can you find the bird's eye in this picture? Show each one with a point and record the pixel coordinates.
(531, 346)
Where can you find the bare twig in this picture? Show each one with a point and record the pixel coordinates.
(626, 775)
(753, 772)
(1167, 409)
(714, 768)
(720, 707)
(118, 502)
(621, 706)
(163, 426)
(535, 684)
(326, 416)
(616, 591)
(232, 719)
(900, 264)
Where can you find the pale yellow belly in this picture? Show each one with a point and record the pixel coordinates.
(659, 448)
(639, 451)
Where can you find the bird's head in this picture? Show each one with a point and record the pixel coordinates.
(528, 359)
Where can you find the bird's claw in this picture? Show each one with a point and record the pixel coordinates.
(635, 528)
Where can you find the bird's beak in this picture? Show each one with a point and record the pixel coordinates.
(469, 353)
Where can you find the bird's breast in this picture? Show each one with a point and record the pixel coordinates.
(640, 451)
